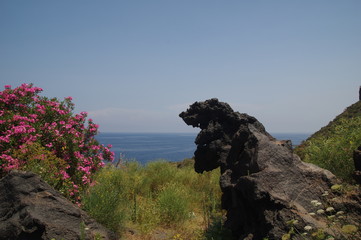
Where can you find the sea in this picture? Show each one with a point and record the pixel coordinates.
(173, 147)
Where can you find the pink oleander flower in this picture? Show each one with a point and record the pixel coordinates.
(5, 138)
(19, 129)
(64, 174)
(27, 118)
(49, 145)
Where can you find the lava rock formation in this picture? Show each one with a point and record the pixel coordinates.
(265, 186)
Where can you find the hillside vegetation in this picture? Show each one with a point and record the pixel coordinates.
(332, 146)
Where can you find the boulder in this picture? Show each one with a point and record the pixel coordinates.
(268, 191)
(31, 209)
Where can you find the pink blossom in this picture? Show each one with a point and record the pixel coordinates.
(27, 117)
(7, 86)
(11, 163)
(85, 180)
(49, 145)
(19, 129)
(64, 174)
(5, 139)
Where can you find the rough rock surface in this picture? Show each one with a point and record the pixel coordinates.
(31, 209)
(357, 162)
(265, 186)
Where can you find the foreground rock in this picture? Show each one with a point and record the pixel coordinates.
(31, 209)
(267, 190)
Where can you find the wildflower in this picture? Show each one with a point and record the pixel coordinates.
(307, 228)
(340, 213)
(320, 211)
(316, 203)
(330, 209)
(325, 193)
(312, 214)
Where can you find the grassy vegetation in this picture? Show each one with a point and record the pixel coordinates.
(159, 198)
(334, 151)
(332, 147)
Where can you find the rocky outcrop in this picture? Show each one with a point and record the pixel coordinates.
(266, 188)
(31, 209)
(357, 163)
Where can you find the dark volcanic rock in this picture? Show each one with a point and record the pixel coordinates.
(264, 185)
(357, 162)
(31, 209)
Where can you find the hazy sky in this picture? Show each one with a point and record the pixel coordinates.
(135, 65)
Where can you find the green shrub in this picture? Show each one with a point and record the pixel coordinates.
(147, 214)
(173, 204)
(157, 174)
(334, 151)
(105, 201)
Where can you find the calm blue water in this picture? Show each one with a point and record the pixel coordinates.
(145, 147)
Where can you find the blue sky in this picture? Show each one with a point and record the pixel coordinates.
(135, 65)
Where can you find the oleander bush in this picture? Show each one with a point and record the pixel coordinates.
(43, 135)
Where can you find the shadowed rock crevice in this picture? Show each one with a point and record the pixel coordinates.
(264, 184)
